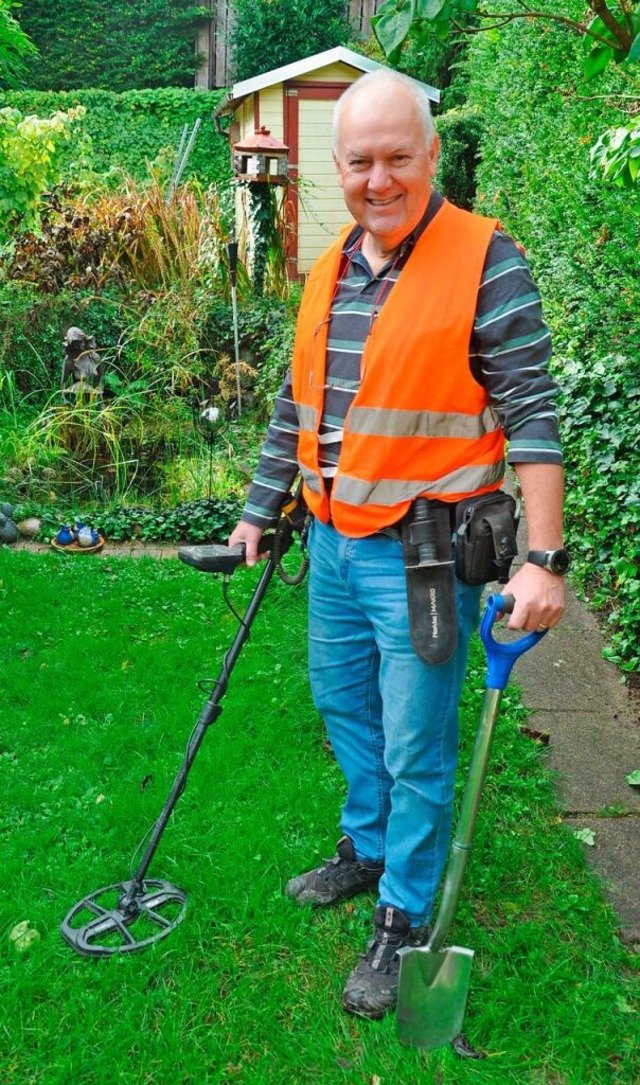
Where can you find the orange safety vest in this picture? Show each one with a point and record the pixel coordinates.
(419, 425)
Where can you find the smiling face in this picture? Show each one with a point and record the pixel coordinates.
(385, 165)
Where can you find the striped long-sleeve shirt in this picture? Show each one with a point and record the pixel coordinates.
(509, 354)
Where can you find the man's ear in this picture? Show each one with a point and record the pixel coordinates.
(434, 154)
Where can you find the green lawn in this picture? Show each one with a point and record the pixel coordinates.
(99, 659)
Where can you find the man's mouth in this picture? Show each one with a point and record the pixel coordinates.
(382, 203)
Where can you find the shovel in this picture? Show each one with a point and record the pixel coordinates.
(434, 982)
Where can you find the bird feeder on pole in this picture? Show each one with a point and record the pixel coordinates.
(261, 158)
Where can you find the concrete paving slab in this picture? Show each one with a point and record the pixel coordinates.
(593, 754)
(614, 857)
(567, 670)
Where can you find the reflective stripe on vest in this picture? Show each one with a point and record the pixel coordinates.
(307, 417)
(391, 491)
(386, 422)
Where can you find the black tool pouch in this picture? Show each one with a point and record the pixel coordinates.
(485, 539)
(428, 562)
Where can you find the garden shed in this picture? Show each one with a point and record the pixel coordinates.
(294, 104)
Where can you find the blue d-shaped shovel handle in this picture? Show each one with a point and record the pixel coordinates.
(501, 656)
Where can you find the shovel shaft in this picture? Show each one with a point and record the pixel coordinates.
(461, 846)
(500, 660)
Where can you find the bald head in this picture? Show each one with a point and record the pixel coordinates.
(376, 88)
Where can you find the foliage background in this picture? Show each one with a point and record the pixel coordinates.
(582, 239)
(269, 33)
(118, 46)
(126, 131)
(515, 106)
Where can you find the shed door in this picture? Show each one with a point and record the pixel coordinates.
(317, 208)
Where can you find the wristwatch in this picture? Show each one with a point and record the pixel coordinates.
(557, 562)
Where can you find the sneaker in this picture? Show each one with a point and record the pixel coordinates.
(372, 988)
(340, 878)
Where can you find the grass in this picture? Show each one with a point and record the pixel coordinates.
(99, 658)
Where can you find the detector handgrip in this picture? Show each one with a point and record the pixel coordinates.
(502, 655)
(217, 558)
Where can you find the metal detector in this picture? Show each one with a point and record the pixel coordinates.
(131, 915)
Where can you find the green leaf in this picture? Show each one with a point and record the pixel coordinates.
(391, 26)
(428, 9)
(634, 778)
(586, 836)
(634, 52)
(597, 60)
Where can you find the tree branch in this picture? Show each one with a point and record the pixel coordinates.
(597, 6)
(620, 32)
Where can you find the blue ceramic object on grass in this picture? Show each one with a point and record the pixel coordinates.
(65, 536)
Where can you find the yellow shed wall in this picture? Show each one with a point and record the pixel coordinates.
(322, 210)
(244, 116)
(272, 110)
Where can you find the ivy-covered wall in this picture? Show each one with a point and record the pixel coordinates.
(122, 45)
(582, 238)
(130, 130)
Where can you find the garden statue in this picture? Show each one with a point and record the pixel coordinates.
(82, 362)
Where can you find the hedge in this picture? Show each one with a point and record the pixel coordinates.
(581, 237)
(119, 46)
(131, 129)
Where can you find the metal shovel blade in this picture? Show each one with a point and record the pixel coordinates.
(432, 995)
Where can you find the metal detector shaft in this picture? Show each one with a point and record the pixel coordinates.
(130, 915)
(210, 712)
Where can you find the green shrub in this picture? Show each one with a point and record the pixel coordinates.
(269, 33)
(33, 327)
(205, 520)
(460, 131)
(124, 133)
(119, 46)
(581, 237)
(30, 163)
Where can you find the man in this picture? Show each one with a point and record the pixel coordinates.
(418, 325)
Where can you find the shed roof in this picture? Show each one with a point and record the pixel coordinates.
(303, 67)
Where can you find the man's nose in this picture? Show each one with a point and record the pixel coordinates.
(379, 177)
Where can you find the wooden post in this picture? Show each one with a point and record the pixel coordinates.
(212, 45)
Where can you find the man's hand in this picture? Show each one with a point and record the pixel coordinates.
(540, 599)
(250, 535)
(540, 595)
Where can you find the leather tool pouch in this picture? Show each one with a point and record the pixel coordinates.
(429, 570)
(485, 540)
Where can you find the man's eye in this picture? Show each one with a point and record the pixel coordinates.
(358, 164)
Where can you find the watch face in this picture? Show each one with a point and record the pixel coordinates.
(559, 562)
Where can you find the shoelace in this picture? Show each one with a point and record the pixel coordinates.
(386, 944)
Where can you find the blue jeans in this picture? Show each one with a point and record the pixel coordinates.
(392, 720)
